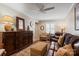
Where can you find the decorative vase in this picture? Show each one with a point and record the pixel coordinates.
(28, 28)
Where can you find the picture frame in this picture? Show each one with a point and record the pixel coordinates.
(76, 11)
(20, 24)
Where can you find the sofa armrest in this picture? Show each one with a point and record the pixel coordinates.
(76, 48)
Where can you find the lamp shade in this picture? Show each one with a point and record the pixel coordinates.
(8, 19)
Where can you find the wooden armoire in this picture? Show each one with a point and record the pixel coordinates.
(15, 41)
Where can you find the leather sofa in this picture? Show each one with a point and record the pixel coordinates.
(70, 39)
(74, 40)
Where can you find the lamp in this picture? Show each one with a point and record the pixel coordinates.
(8, 21)
(63, 29)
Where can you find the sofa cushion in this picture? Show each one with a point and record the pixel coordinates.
(67, 38)
(60, 52)
(69, 49)
(74, 39)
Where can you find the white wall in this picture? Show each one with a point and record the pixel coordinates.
(36, 31)
(71, 23)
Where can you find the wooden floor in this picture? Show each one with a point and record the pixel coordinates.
(52, 49)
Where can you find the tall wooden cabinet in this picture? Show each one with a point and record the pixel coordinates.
(15, 41)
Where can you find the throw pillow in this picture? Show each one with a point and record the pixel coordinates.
(60, 40)
(60, 52)
(67, 50)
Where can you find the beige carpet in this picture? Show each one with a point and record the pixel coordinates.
(26, 51)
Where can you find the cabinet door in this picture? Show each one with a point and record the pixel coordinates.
(9, 44)
(19, 40)
(25, 39)
(30, 37)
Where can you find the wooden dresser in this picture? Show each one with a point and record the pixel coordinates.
(15, 41)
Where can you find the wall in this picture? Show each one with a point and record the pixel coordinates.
(71, 23)
(36, 31)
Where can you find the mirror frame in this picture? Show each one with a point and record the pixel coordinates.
(42, 27)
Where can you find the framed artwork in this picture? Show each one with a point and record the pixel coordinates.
(20, 23)
(76, 13)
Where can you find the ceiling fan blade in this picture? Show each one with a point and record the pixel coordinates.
(49, 8)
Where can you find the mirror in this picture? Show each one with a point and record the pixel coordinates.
(20, 23)
(41, 27)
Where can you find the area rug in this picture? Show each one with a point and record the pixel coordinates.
(26, 51)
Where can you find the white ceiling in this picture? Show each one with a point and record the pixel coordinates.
(32, 9)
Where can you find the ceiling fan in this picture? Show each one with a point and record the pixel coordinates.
(43, 9)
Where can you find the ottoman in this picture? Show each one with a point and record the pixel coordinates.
(38, 49)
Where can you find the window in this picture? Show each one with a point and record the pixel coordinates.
(47, 28)
(50, 28)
